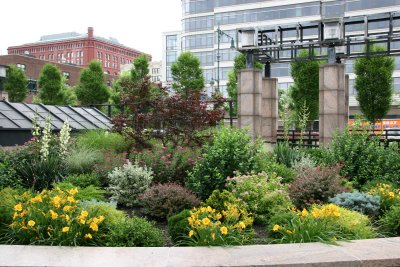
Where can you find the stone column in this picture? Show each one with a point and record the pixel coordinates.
(269, 109)
(333, 101)
(249, 100)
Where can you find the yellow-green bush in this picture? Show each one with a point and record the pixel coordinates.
(390, 195)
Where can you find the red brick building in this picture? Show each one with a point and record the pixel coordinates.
(79, 49)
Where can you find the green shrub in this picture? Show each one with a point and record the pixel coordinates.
(110, 161)
(8, 176)
(135, 232)
(390, 222)
(163, 200)
(128, 182)
(219, 200)
(267, 163)
(361, 202)
(178, 226)
(230, 151)
(8, 199)
(315, 185)
(286, 155)
(100, 139)
(263, 195)
(108, 210)
(86, 193)
(322, 223)
(82, 160)
(84, 180)
(169, 164)
(363, 158)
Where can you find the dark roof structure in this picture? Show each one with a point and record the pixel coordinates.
(16, 120)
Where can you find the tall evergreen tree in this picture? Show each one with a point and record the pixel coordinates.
(305, 91)
(374, 84)
(91, 88)
(187, 74)
(51, 85)
(16, 84)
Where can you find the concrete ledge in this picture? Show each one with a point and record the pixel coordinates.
(372, 252)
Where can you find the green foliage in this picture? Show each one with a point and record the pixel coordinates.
(220, 200)
(135, 232)
(315, 185)
(187, 74)
(82, 159)
(178, 226)
(389, 195)
(87, 193)
(16, 84)
(91, 88)
(8, 199)
(84, 180)
(390, 222)
(168, 163)
(286, 155)
(267, 163)
(263, 195)
(231, 150)
(363, 158)
(357, 201)
(140, 68)
(8, 176)
(232, 86)
(100, 139)
(305, 90)
(374, 84)
(51, 85)
(164, 200)
(128, 182)
(326, 223)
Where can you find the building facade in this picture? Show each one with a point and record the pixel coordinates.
(201, 19)
(79, 49)
(171, 49)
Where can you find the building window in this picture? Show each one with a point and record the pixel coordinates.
(66, 75)
(21, 66)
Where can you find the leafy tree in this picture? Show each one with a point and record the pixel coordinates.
(140, 68)
(232, 86)
(187, 74)
(91, 88)
(16, 84)
(51, 85)
(305, 91)
(374, 84)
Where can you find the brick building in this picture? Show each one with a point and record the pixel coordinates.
(79, 49)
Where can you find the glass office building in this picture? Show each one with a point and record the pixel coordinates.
(201, 18)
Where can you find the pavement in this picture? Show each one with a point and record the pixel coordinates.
(370, 252)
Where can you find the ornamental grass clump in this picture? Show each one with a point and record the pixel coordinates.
(326, 223)
(128, 182)
(209, 227)
(54, 218)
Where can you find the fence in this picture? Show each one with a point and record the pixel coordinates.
(310, 138)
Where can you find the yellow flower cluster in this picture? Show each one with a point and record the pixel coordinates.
(58, 214)
(209, 225)
(386, 191)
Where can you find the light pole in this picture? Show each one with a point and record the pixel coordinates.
(221, 33)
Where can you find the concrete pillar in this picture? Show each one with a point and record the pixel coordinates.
(249, 100)
(333, 101)
(269, 109)
(258, 104)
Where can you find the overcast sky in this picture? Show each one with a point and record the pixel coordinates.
(135, 23)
